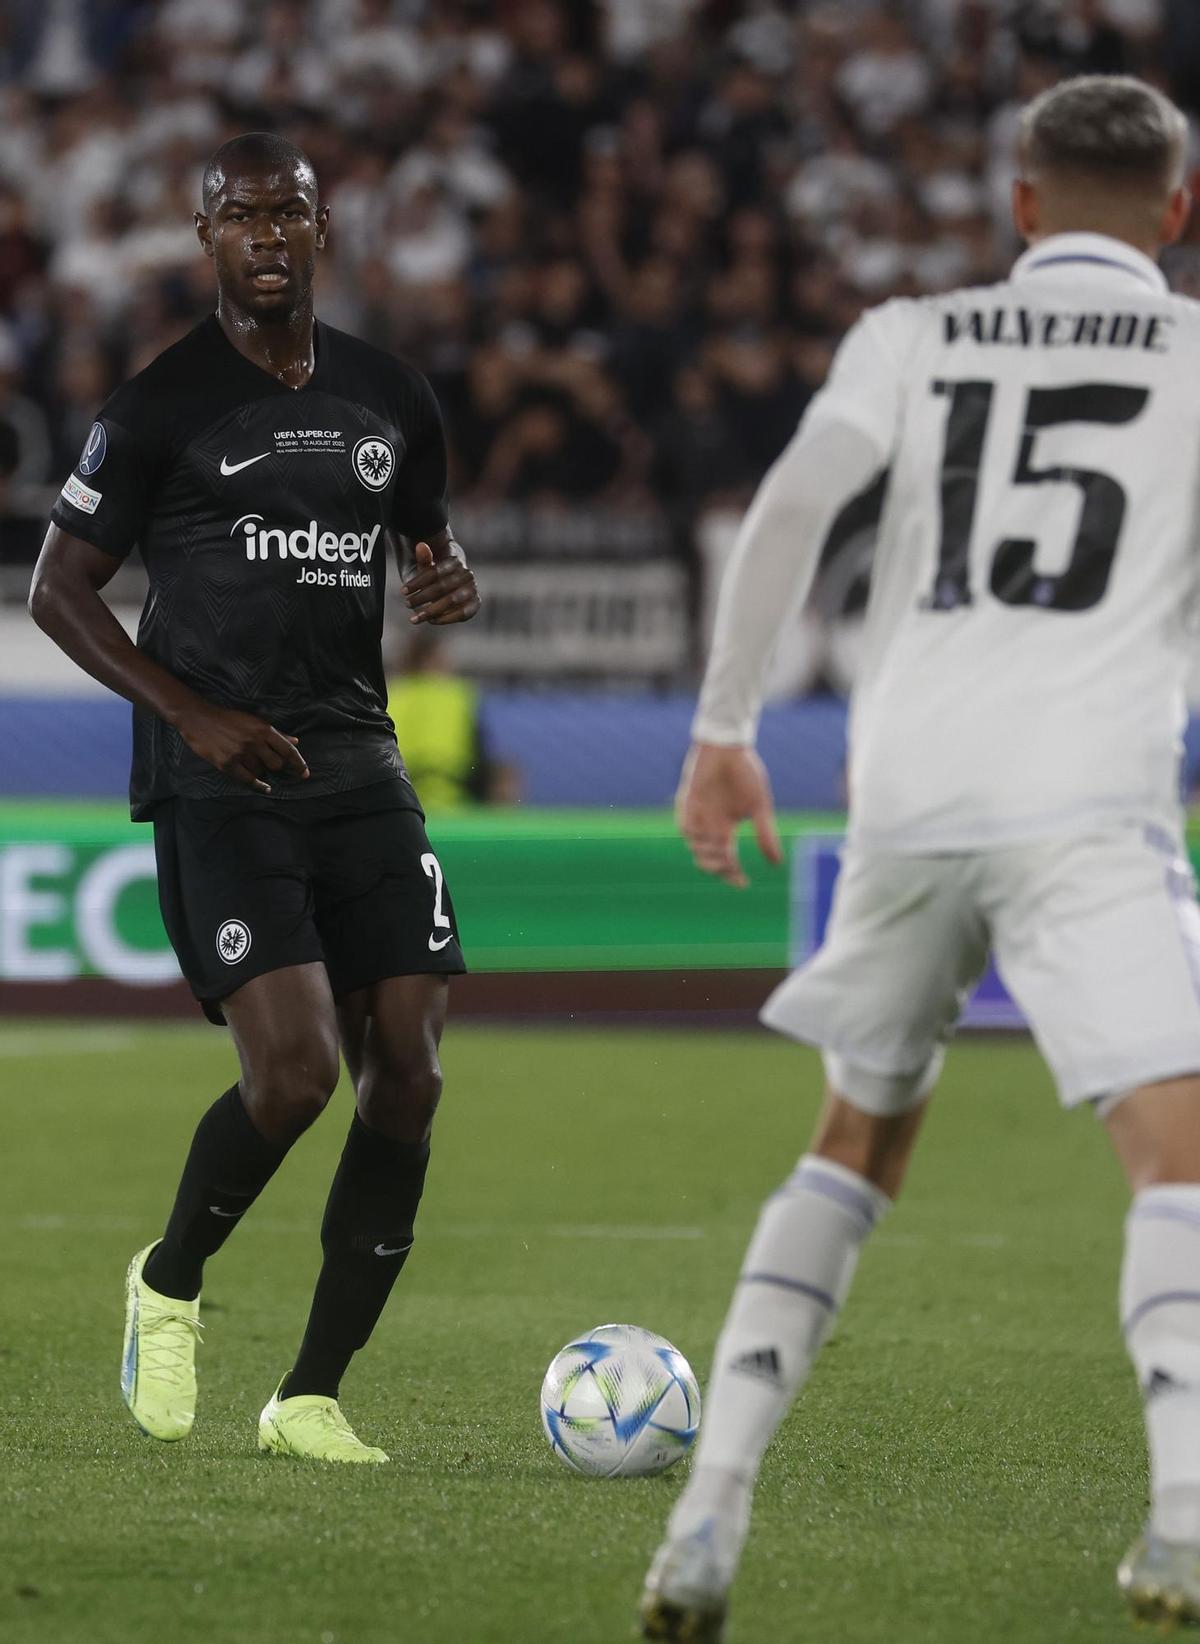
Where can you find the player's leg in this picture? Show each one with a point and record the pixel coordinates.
(1156, 1133)
(1099, 939)
(903, 946)
(794, 1280)
(386, 923)
(236, 903)
(796, 1276)
(391, 1032)
(284, 1027)
(285, 1030)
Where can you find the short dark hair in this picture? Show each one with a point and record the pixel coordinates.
(256, 151)
(1109, 128)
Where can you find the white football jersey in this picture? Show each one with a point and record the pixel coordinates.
(1029, 625)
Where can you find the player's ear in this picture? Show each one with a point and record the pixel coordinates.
(1179, 209)
(1025, 214)
(322, 226)
(203, 231)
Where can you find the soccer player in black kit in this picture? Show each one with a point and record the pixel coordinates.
(266, 464)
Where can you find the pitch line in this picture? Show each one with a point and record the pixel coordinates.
(617, 1232)
(86, 1042)
(59, 1222)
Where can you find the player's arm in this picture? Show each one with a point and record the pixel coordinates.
(846, 439)
(65, 602)
(440, 588)
(771, 570)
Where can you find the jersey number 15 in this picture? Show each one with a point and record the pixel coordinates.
(1014, 578)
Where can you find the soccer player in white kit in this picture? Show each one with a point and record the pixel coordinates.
(1015, 739)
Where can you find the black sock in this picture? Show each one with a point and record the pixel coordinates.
(366, 1236)
(227, 1167)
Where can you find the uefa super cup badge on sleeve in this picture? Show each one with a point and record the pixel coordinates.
(95, 451)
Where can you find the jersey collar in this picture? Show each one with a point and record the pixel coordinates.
(1076, 253)
(258, 372)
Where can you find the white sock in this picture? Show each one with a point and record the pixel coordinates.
(1160, 1314)
(793, 1282)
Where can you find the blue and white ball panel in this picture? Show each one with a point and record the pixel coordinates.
(620, 1402)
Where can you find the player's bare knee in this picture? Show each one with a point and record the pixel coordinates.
(870, 1120)
(882, 1095)
(1155, 1130)
(399, 1095)
(290, 1088)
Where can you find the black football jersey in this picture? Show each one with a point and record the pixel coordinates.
(265, 516)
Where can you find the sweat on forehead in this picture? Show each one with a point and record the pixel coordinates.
(258, 154)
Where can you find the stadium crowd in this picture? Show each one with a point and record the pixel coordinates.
(621, 237)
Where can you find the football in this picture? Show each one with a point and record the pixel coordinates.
(620, 1402)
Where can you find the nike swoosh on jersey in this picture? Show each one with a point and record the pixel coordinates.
(228, 467)
(436, 946)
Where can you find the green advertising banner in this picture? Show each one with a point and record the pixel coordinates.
(534, 891)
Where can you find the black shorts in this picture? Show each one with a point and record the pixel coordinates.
(350, 881)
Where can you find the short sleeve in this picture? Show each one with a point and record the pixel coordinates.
(107, 495)
(865, 386)
(419, 500)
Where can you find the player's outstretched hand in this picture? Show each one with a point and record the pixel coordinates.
(719, 788)
(441, 591)
(241, 745)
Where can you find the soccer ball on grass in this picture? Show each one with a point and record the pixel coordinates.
(620, 1402)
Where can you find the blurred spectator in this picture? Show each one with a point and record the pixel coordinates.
(10, 451)
(887, 79)
(555, 449)
(652, 340)
(93, 262)
(82, 381)
(1182, 50)
(699, 455)
(283, 70)
(22, 253)
(454, 158)
(438, 724)
(739, 127)
(23, 415)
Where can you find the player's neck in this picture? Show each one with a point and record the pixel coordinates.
(1148, 248)
(282, 346)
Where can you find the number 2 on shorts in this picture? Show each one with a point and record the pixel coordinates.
(441, 919)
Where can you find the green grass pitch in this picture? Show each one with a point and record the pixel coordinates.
(965, 1467)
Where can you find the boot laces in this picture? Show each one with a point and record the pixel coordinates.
(167, 1341)
(328, 1419)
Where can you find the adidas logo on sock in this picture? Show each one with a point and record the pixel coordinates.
(763, 1362)
(1159, 1381)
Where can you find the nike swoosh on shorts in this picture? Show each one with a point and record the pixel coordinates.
(436, 946)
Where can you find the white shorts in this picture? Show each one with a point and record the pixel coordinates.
(1097, 938)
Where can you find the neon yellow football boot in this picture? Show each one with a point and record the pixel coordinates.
(314, 1429)
(158, 1369)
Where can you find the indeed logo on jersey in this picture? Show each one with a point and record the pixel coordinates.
(311, 542)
